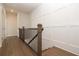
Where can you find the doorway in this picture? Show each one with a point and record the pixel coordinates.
(11, 24)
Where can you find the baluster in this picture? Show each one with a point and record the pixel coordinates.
(23, 33)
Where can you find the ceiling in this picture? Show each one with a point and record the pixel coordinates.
(24, 7)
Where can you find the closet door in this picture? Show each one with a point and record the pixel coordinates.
(11, 24)
(0, 25)
(3, 23)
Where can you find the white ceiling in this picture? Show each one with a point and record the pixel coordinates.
(24, 7)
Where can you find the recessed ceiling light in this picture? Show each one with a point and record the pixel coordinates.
(12, 10)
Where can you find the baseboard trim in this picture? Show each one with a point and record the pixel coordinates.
(47, 44)
(68, 47)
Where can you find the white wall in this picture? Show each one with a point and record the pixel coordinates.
(15, 20)
(61, 25)
(22, 20)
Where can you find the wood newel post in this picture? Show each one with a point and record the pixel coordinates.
(23, 33)
(39, 39)
(19, 33)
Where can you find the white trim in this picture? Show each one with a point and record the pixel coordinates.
(66, 46)
(47, 44)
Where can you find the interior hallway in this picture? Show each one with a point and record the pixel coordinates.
(12, 46)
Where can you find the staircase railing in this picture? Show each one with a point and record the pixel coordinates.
(38, 35)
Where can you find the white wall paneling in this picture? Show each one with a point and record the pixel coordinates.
(61, 25)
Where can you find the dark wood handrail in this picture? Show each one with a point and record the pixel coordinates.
(31, 28)
(39, 35)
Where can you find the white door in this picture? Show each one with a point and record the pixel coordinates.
(11, 24)
(0, 26)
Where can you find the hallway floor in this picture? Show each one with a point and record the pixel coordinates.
(56, 52)
(12, 46)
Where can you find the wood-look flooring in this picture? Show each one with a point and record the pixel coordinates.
(12, 46)
(57, 52)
